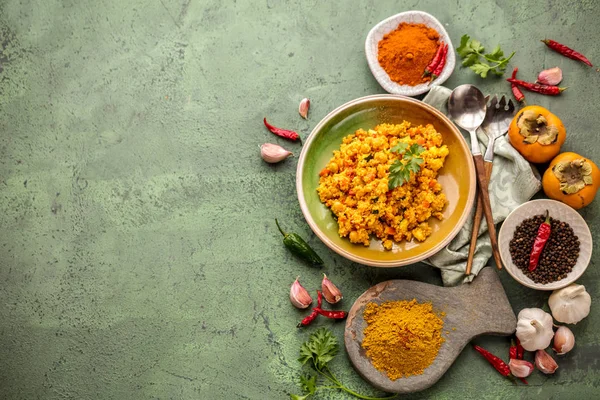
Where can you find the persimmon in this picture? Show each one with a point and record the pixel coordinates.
(572, 179)
(537, 134)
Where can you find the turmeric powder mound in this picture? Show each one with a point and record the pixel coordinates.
(402, 338)
(405, 52)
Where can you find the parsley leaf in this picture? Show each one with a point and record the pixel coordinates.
(319, 350)
(410, 162)
(472, 53)
(308, 383)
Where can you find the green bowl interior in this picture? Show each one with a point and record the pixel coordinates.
(457, 177)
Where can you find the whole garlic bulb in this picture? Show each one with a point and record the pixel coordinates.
(571, 304)
(534, 329)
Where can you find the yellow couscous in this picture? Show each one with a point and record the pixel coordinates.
(354, 185)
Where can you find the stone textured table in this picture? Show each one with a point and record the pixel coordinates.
(138, 255)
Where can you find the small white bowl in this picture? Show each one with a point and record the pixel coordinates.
(559, 211)
(388, 25)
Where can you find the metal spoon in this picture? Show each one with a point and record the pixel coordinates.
(467, 107)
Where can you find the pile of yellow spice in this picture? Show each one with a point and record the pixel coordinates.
(402, 338)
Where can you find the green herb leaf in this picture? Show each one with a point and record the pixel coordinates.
(472, 53)
(464, 50)
(470, 60)
(400, 147)
(400, 169)
(480, 69)
(321, 347)
(308, 383)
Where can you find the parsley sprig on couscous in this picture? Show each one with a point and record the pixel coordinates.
(355, 184)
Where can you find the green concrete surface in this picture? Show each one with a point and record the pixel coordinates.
(138, 255)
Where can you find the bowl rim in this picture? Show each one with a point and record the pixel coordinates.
(406, 90)
(394, 263)
(539, 286)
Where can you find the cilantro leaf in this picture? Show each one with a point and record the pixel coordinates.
(472, 53)
(400, 169)
(463, 50)
(321, 347)
(400, 147)
(470, 60)
(308, 383)
(480, 69)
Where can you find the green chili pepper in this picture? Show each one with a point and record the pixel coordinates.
(299, 247)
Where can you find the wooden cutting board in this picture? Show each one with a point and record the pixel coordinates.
(478, 308)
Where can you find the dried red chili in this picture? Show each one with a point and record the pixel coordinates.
(519, 96)
(538, 88)
(440, 67)
(309, 319)
(542, 237)
(520, 350)
(496, 362)
(567, 51)
(333, 314)
(512, 351)
(284, 133)
(435, 61)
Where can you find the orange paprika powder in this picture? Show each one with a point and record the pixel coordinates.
(405, 52)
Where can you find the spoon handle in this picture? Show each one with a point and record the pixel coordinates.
(477, 220)
(487, 208)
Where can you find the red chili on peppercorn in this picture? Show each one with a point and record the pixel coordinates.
(542, 237)
(567, 51)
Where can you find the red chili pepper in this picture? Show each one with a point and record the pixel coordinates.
(512, 351)
(519, 96)
(540, 241)
(496, 362)
(520, 350)
(566, 51)
(284, 133)
(441, 64)
(309, 319)
(537, 87)
(435, 61)
(333, 314)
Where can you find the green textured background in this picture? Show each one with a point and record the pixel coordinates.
(139, 259)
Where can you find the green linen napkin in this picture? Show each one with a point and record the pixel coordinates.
(514, 181)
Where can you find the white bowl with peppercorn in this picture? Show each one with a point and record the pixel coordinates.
(400, 49)
(545, 244)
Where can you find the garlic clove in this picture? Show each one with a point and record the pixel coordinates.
(273, 153)
(571, 304)
(299, 295)
(331, 293)
(564, 340)
(303, 108)
(544, 362)
(551, 76)
(534, 329)
(520, 368)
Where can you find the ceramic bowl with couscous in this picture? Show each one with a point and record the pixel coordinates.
(343, 181)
